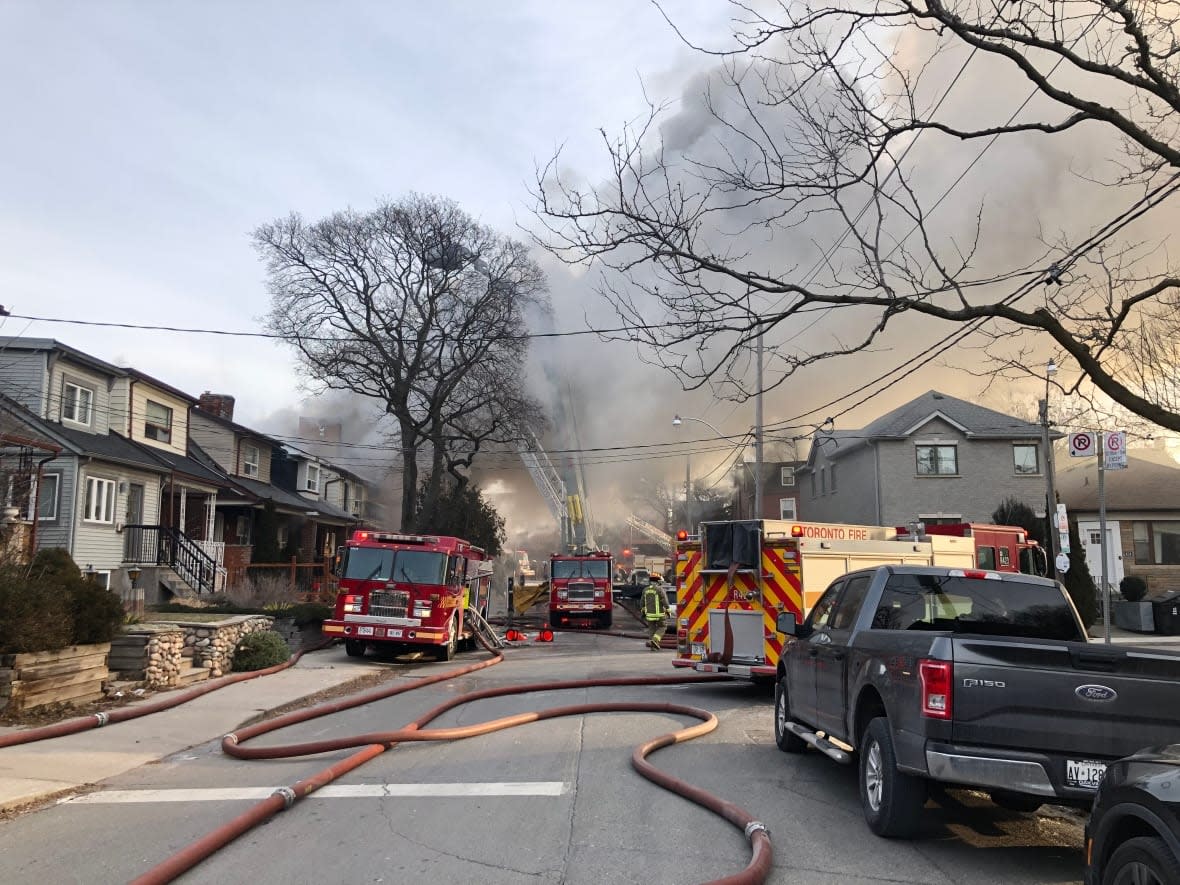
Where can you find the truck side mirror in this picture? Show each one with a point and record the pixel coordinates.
(787, 623)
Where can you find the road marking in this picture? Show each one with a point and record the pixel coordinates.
(338, 791)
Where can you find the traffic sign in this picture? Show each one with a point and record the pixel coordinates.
(1062, 563)
(1081, 445)
(1115, 450)
(1062, 519)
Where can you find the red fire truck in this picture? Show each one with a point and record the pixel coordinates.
(580, 588)
(999, 548)
(406, 591)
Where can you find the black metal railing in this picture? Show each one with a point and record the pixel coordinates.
(163, 545)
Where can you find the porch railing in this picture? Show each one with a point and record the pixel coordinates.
(163, 545)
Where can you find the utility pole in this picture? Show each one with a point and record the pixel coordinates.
(758, 436)
(1051, 501)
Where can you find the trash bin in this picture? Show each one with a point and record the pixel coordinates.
(1166, 611)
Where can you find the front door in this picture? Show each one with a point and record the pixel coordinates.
(1092, 544)
(134, 512)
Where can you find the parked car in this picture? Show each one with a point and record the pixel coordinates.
(982, 679)
(1133, 836)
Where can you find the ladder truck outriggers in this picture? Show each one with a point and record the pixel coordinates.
(734, 578)
(404, 592)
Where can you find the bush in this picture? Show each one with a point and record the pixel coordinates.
(98, 613)
(33, 616)
(308, 613)
(257, 651)
(1133, 588)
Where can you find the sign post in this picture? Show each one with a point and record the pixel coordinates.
(1101, 451)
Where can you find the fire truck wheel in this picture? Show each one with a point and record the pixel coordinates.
(354, 648)
(892, 801)
(787, 741)
(605, 621)
(554, 621)
(447, 650)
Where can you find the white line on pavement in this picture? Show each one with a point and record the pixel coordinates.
(338, 791)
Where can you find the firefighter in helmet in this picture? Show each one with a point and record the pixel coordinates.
(655, 611)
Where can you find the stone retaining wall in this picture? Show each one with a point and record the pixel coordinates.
(158, 653)
(212, 644)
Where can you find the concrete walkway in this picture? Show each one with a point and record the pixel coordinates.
(30, 773)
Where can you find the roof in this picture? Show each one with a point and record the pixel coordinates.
(189, 467)
(1150, 482)
(46, 345)
(156, 382)
(109, 447)
(291, 501)
(974, 421)
(231, 425)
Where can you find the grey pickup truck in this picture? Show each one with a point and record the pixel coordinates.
(965, 677)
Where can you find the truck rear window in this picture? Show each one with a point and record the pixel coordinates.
(975, 605)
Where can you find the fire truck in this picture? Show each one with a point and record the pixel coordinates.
(580, 588)
(403, 591)
(735, 577)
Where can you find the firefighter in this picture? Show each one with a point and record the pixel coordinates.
(655, 611)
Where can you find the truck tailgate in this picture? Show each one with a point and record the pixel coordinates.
(1064, 697)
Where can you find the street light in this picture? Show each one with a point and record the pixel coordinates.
(1051, 500)
(677, 420)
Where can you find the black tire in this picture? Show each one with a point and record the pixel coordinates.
(1144, 860)
(1016, 802)
(447, 650)
(786, 740)
(354, 648)
(892, 801)
(605, 621)
(554, 620)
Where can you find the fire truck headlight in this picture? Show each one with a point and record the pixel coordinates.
(599, 594)
(352, 608)
(422, 610)
(561, 594)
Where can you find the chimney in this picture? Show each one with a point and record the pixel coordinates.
(219, 404)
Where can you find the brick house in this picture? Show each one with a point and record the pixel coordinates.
(936, 458)
(780, 491)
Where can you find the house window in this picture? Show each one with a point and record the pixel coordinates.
(1157, 543)
(313, 478)
(47, 489)
(1026, 460)
(937, 460)
(100, 500)
(242, 529)
(250, 460)
(1096, 539)
(158, 422)
(282, 535)
(103, 579)
(77, 403)
(786, 508)
(787, 477)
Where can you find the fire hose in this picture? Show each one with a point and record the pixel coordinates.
(373, 744)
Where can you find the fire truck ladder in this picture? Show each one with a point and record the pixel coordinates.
(646, 528)
(549, 483)
(483, 629)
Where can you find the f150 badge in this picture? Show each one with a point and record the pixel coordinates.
(1095, 693)
(984, 683)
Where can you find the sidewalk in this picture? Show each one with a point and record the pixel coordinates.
(31, 773)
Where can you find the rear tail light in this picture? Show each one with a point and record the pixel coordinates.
(937, 677)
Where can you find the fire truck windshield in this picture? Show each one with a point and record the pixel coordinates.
(581, 568)
(411, 566)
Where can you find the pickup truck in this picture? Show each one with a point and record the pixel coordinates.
(965, 677)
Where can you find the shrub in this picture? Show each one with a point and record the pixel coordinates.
(1133, 588)
(33, 616)
(257, 651)
(308, 613)
(97, 612)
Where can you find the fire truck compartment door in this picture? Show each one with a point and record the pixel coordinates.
(748, 637)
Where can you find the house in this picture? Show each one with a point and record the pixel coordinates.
(1142, 517)
(780, 492)
(937, 459)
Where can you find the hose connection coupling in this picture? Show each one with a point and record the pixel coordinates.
(231, 737)
(288, 796)
(101, 719)
(756, 826)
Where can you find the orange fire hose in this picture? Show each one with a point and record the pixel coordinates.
(374, 744)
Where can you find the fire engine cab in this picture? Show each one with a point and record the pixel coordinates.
(735, 577)
(404, 591)
(580, 588)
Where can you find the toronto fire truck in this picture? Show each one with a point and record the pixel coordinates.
(580, 588)
(405, 591)
(734, 578)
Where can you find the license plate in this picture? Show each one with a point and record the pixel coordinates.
(395, 634)
(364, 631)
(698, 649)
(1084, 773)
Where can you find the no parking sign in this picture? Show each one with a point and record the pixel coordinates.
(1081, 444)
(1115, 450)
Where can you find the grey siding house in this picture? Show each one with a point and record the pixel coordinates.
(937, 458)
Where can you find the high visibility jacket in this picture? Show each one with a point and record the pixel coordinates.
(654, 604)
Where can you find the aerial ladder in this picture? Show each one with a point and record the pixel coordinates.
(646, 528)
(549, 483)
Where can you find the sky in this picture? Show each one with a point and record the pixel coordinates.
(143, 142)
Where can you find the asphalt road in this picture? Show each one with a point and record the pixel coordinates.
(548, 802)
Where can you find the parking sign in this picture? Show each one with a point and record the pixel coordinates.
(1115, 450)
(1081, 444)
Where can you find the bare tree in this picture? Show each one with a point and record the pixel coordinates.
(419, 307)
(823, 121)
